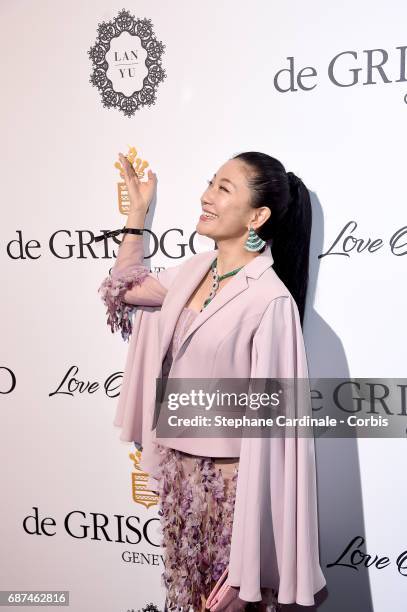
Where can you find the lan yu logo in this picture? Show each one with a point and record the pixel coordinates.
(126, 62)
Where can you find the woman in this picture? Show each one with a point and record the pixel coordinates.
(248, 505)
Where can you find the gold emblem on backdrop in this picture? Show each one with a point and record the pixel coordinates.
(139, 166)
(141, 494)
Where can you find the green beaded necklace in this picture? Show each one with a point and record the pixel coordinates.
(216, 280)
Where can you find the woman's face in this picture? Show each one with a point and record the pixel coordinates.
(228, 197)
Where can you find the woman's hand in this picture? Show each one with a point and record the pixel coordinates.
(140, 193)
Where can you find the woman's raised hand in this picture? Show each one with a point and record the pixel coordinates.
(140, 193)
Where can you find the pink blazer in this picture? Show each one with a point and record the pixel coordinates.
(251, 329)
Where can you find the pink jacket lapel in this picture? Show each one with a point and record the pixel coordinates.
(192, 274)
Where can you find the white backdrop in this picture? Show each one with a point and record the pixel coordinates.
(61, 453)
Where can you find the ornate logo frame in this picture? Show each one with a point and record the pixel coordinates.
(107, 32)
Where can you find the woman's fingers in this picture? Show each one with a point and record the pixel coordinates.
(128, 169)
(140, 193)
(152, 176)
(123, 161)
(126, 165)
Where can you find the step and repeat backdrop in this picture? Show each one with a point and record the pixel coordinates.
(184, 86)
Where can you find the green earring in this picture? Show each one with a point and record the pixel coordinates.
(253, 242)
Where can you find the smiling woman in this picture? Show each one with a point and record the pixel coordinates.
(235, 312)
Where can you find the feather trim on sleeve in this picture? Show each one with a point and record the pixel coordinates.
(112, 290)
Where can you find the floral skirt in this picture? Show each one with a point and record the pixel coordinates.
(197, 497)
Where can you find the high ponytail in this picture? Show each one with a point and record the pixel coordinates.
(288, 229)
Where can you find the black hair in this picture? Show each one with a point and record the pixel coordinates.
(288, 229)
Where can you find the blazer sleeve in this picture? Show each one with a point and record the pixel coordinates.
(278, 342)
(278, 531)
(131, 284)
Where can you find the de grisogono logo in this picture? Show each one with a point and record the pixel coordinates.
(126, 62)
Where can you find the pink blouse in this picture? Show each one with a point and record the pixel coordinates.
(184, 321)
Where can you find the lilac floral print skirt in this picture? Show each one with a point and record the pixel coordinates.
(196, 508)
